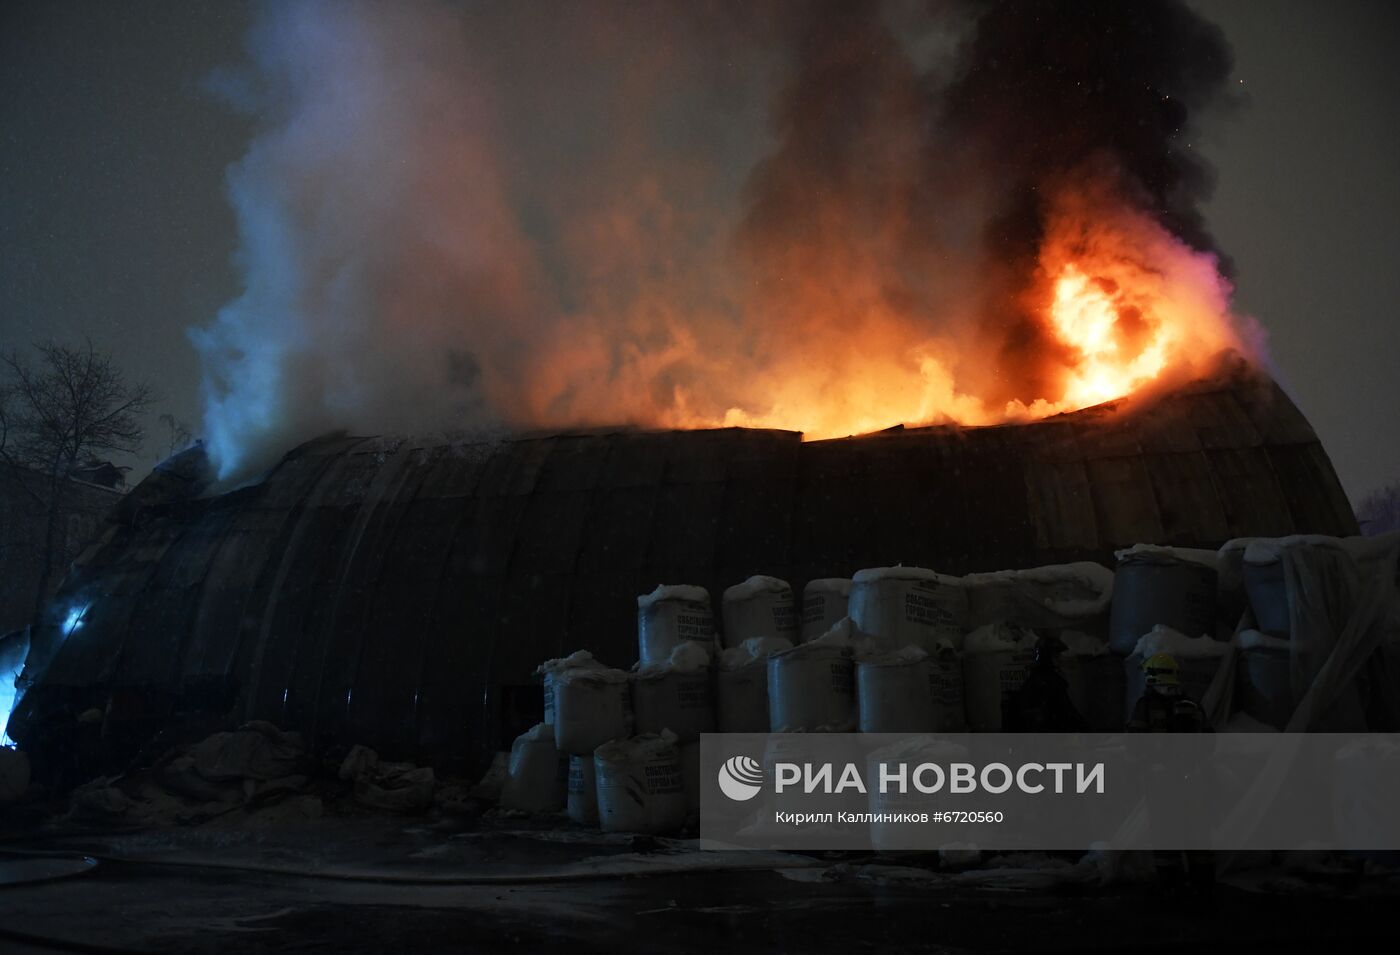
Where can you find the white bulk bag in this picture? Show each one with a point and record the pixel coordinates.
(759, 607)
(1265, 686)
(1371, 558)
(1055, 596)
(824, 602)
(583, 790)
(536, 777)
(639, 785)
(1229, 584)
(1172, 587)
(903, 606)
(783, 749)
(675, 694)
(670, 615)
(1262, 574)
(888, 835)
(893, 693)
(945, 680)
(741, 685)
(549, 671)
(811, 688)
(996, 660)
(591, 706)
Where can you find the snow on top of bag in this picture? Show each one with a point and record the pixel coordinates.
(755, 585)
(1237, 544)
(752, 650)
(1166, 640)
(904, 656)
(578, 660)
(1192, 555)
(1267, 550)
(689, 656)
(594, 674)
(843, 637)
(537, 733)
(902, 573)
(646, 746)
(1084, 572)
(829, 585)
(1256, 640)
(841, 634)
(1229, 561)
(998, 638)
(1079, 589)
(674, 592)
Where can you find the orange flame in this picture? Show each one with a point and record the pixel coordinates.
(1119, 301)
(1130, 303)
(1085, 315)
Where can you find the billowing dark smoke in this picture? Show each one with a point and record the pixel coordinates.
(827, 216)
(1051, 86)
(1055, 93)
(883, 163)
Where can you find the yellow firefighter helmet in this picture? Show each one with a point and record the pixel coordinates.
(1162, 670)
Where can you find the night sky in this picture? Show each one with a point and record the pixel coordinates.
(114, 222)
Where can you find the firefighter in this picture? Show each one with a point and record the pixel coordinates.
(1042, 704)
(1163, 708)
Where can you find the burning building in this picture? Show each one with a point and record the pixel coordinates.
(400, 594)
(732, 298)
(979, 223)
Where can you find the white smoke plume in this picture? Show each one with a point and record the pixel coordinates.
(377, 246)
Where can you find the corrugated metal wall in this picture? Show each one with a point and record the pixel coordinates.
(393, 595)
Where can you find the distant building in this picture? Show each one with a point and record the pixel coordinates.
(86, 498)
(103, 474)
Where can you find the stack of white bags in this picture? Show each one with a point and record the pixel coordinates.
(891, 650)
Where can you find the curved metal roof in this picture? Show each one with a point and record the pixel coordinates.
(394, 593)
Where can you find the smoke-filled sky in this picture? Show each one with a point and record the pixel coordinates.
(627, 192)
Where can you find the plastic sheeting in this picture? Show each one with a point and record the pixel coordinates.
(1344, 643)
(1344, 626)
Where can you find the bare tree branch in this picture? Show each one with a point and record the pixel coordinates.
(61, 407)
(178, 435)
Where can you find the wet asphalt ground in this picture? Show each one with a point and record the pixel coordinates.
(381, 885)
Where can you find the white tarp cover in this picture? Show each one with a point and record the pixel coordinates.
(1344, 643)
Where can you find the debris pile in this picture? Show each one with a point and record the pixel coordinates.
(257, 775)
